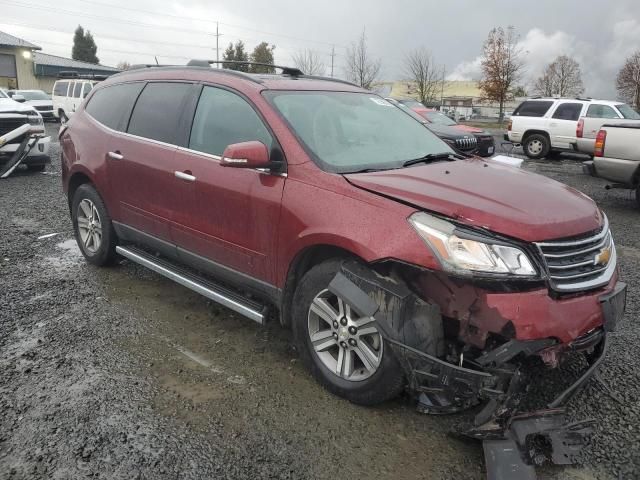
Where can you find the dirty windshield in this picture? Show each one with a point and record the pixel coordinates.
(349, 132)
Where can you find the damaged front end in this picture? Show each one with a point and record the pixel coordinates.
(454, 361)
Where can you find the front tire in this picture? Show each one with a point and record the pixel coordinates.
(93, 227)
(344, 352)
(536, 146)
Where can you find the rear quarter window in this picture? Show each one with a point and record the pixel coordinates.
(112, 105)
(532, 109)
(60, 89)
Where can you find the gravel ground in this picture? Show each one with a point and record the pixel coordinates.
(118, 373)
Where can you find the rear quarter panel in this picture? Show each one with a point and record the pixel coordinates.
(621, 155)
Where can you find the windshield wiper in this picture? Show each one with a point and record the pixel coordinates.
(433, 157)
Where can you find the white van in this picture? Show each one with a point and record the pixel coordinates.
(68, 95)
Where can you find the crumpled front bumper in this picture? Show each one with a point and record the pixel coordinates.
(494, 376)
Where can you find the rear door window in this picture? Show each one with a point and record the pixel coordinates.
(628, 112)
(77, 89)
(568, 111)
(601, 111)
(60, 89)
(158, 110)
(223, 118)
(112, 106)
(532, 109)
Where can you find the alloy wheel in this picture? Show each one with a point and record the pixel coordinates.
(347, 344)
(89, 226)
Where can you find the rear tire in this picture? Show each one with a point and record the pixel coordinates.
(93, 227)
(381, 380)
(536, 146)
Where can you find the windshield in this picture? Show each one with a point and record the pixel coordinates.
(349, 132)
(439, 118)
(32, 94)
(628, 112)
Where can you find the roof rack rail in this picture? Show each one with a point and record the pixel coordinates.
(292, 71)
(83, 76)
(331, 79)
(586, 99)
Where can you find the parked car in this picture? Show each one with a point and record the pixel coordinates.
(37, 99)
(542, 125)
(485, 140)
(396, 262)
(12, 116)
(617, 156)
(69, 92)
(461, 141)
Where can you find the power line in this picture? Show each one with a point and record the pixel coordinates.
(20, 4)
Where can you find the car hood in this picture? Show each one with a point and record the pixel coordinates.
(447, 131)
(40, 103)
(10, 106)
(468, 129)
(485, 194)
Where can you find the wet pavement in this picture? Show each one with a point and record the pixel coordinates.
(120, 373)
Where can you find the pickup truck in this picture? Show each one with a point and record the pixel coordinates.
(617, 156)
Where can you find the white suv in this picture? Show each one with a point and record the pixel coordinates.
(545, 124)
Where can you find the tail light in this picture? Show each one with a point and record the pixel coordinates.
(601, 139)
(580, 128)
(509, 125)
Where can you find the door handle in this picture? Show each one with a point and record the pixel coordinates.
(115, 155)
(185, 176)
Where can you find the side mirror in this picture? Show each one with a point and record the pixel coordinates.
(246, 155)
(18, 98)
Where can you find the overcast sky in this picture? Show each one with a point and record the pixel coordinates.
(599, 34)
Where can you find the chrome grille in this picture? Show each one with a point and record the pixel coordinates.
(582, 263)
(466, 144)
(43, 108)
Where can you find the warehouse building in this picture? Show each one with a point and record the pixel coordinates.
(24, 66)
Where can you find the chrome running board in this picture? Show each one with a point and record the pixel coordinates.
(222, 295)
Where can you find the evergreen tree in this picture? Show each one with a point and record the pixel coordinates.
(263, 53)
(236, 53)
(84, 47)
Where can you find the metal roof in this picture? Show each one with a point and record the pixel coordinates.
(45, 59)
(7, 40)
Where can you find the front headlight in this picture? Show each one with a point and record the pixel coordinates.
(465, 255)
(34, 118)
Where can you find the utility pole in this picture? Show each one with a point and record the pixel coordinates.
(444, 67)
(333, 54)
(217, 35)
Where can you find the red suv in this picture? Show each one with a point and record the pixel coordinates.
(397, 263)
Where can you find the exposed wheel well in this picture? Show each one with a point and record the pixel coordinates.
(302, 263)
(75, 181)
(528, 133)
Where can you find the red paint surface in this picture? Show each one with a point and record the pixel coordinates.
(258, 223)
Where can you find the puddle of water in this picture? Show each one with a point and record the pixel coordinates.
(70, 246)
(69, 258)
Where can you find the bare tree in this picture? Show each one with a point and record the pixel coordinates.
(360, 67)
(502, 66)
(628, 81)
(124, 65)
(561, 77)
(309, 62)
(422, 71)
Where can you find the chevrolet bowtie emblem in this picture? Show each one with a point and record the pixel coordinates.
(603, 257)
